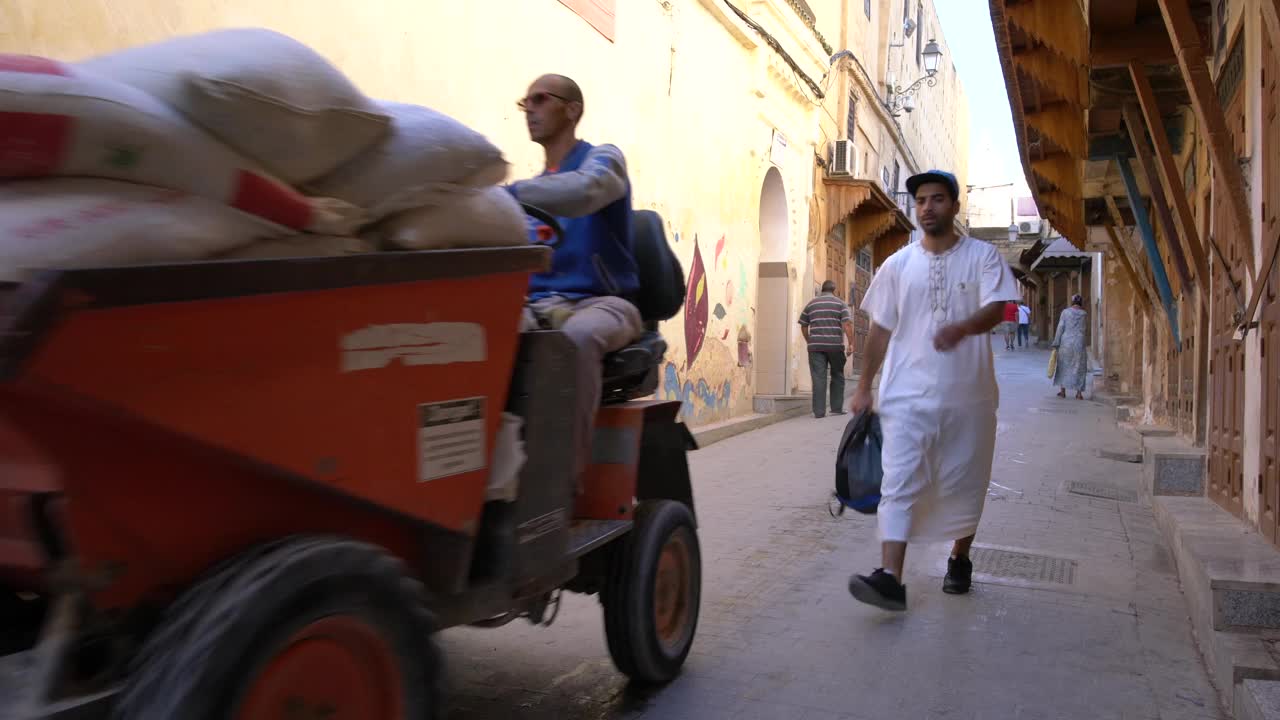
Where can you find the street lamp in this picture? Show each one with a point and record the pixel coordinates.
(901, 99)
(932, 54)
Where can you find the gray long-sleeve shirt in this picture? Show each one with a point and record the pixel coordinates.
(600, 181)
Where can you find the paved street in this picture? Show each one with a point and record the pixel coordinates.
(1085, 619)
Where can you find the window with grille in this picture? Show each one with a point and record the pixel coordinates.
(1231, 73)
(864, 259)
(919, 33)
(851, 123)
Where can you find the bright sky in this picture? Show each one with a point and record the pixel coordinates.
(967, 25)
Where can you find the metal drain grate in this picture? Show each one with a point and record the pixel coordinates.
(1098, 490)
(1023, 566)
(1053, 411)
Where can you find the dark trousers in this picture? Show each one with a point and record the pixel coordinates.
(820, 363)
(1024, 334)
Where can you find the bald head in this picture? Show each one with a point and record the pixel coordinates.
(553, 107)
(568, 88)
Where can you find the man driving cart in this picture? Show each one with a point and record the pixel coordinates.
(593, 273)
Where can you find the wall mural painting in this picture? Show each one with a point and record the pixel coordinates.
(717, 339)
(701, 404)
(695, 307)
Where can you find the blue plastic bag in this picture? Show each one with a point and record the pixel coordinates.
(858, 470)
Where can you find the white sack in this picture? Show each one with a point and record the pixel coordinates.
(56, 120)
(267, 95)
(508, 460)
(304, 245)
(82, 222)
(466, 218)
(426, 154)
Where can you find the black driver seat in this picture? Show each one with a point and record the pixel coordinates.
(633, 371)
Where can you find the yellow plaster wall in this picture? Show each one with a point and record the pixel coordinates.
(692, 104)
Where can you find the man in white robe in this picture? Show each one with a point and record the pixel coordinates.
(932, 307)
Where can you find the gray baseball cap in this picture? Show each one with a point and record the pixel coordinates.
(937, 176)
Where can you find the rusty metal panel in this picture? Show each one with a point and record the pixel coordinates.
(1226, 365)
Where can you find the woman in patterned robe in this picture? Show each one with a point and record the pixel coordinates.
(1073, 359)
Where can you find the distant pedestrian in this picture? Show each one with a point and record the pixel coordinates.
(1024, 324)
(933, 305)
(1073, 360)
(822, 322)
(1009, 325)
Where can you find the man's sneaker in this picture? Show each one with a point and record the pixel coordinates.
(959, 576)
(880, 589)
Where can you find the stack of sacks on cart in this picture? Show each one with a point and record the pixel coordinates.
(233, 144)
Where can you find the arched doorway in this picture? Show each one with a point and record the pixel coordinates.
(773, 311)
(774, 225)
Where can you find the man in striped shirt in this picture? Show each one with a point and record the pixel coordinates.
(821, 322)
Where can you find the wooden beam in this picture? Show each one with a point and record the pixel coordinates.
(1153, 252)
(1118, 222)
(1271, 15)
(1169, 176)
(1210, 116)
(1139, 289)
(1118, 49)
(1260, 287)
(1133, 121)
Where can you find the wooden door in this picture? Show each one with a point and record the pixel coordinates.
(837, 258)
(1226, 364)
(1173, 384)
(1269, 327)
(1187, 366)
(861, 320)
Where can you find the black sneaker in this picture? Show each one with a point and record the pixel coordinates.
(959, 576)
(880, 589)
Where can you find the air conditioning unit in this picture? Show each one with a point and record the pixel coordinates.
(1029, 227)
(842, 155)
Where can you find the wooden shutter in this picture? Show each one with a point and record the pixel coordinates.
(600, 14)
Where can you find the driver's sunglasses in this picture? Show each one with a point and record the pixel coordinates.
(537, 99)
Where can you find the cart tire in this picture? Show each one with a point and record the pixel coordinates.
(303, 627)
(653, 593)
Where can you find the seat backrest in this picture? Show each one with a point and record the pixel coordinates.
(662, 287)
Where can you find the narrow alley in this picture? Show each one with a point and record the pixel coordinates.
(1077, 612)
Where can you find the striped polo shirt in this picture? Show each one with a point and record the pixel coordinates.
(825, 317)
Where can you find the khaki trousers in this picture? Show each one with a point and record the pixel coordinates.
(597, 326)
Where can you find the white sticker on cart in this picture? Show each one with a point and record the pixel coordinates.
(438, 343)
(450, 438)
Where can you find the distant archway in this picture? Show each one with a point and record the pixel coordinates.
(773, 311)
(774, 225)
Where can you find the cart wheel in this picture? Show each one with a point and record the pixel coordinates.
(306, 627)
(653, 592)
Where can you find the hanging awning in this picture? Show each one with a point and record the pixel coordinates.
(1060, 248)
(890, 243)
(1044, 52)
(872, 216)
(1023, 276)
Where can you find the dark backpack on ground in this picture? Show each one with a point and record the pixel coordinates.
(858, 471)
